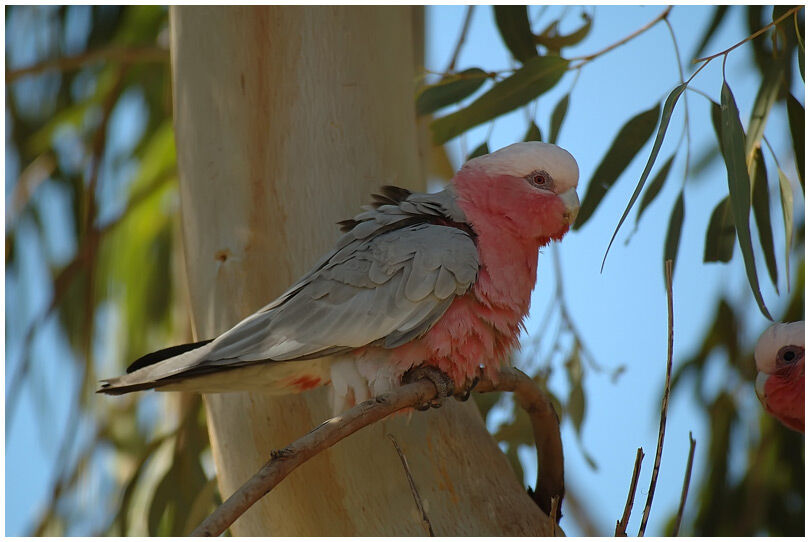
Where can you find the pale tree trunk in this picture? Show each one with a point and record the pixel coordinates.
(286, 119)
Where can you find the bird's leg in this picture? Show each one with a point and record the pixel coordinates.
(444, 384)
(464, 394)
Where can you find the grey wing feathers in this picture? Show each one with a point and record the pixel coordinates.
(385, 290)
(388, 280)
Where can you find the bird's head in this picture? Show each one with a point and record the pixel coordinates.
(779, 356)
(528, 188)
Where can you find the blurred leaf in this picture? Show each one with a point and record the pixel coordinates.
(575, 404)
(627, 144)
(141, 25)
(516, 32)
(516, 432)
(720, 234)
(159, 506)
(122, 517)
(553, 41)
(202, 506)
(533, 133)
(761, 202)
(480, 150)
(485, 402)
(733, 144)
(514, 460)
(717, 18)
(558, 116)
(535, 77)
(795, 112)
(786, 193)
(451, 89)
(655, 186)
(669, 105)
(673, 238)
(766, 97)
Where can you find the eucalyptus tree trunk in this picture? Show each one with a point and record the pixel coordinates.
(286, 119)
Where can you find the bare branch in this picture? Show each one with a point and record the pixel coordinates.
(283, 462)
(69, 63)
(621, 525)
(417, 499)
(462, 37)
(686, 477)
(664, 403)
(587, 58)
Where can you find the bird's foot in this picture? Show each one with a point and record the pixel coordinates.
(444, 384)
(464, 394)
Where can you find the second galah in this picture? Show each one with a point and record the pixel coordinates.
(779, 356)
(441, 280)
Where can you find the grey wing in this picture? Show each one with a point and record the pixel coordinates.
(387, 290)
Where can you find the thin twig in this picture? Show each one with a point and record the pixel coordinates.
(749, 38)
(461, 39)
(686, 477)
(68, 63)
(664, 403)
(587, 58)
(621, 525)
(544, 423)
(417, 499)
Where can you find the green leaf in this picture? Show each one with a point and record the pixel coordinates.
(795, 112)
(533, 133)
(516, 32)
(537, 76)
(480, 150)
(766, 97)
(720, 234)
(558, 116)
(655, 186)
(554, 41)
(628, 142)
(786, 194)
(451, 89)
(761, 202)
(717, 18)
(673, 238)
(733, 144)
(669, 105)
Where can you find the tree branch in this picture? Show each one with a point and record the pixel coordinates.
(68, 63)
(686, 477)
(462, 37)
(621, 525)
(664, 403)
(417, 499)
(283, 462)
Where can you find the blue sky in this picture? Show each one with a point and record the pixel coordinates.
(621, 313)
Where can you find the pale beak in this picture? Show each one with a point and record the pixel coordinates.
(759, 385)
(571, 201)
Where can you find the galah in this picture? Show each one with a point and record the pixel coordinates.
(438, 280)
(779, 356)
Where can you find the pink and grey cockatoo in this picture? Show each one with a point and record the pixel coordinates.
(779, 356)
(440, 280)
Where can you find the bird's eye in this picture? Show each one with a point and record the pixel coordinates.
(789, 354)
(540, 179)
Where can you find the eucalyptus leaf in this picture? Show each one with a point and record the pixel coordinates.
(674, 229)
(795, 112)
(733, 144)
(669, 105)
(626, 145)
(451, 89)
(535, 77)
(720, 235)
(786, 194)
(558, 116)
(766, 97)
(761, 202)
(516, 32)
(533, 133)
(654, 187)
(554, 41)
